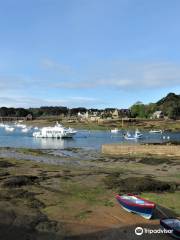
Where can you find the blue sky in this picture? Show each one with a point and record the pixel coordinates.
(90, 53)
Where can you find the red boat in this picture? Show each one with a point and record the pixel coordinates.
(136, 204)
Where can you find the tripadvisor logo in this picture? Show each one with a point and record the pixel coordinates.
(139, 231)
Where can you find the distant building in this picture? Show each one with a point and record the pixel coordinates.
(94, 118)
(109, 113)
(83, 115)
(115, 114)
(29, 117)
(158, 114)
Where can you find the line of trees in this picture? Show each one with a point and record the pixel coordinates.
(40, 112)
(14, 112)
(143, 111)
(169, 105)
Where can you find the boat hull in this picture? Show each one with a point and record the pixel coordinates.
(39, 135)
(130, 138)
(142, 210)
(175, 232)
(55, 132)
(147, 215)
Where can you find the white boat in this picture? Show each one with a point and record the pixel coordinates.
(115, 130)
(25, 130)
(36, 128)
(58, 131)
(9, 129)
(136, 136)
(2, 125)
(155, 131)
(21, 125)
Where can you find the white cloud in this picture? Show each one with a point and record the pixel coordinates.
(49, 64)
(10, 82)
(37, 102)
(24, 91)
(125, 75)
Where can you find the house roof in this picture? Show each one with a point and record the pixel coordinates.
(158, 112)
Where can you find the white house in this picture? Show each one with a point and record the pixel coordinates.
(158, 114)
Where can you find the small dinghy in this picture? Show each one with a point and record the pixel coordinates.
(171, 224)
(136, 136)
(135, 204)
(155, 131)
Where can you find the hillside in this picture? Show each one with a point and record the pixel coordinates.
(170, 105)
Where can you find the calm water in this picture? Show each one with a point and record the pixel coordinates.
(83, 139)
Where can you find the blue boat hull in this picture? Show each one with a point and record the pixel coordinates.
(143, 211)
(175, 233)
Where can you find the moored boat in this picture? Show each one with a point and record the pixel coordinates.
(19, 125)
(115, 130)
(58, 131)
(9, 129)
(172, 224)
(25, 130)
(128, 136)
(135, 204)
(136, 136)
(155, 131)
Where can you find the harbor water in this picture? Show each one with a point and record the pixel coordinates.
(83, 139)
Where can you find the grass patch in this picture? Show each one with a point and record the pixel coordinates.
(137, 184)
(155, 161)
(108, 203)
(167, 200)
(82, 215)
(5, 164)
(89, 195)
(19, 181)
(34, 152)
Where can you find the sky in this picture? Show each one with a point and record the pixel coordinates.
(88, 53)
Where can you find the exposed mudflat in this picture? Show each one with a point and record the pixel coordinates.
(69, 194)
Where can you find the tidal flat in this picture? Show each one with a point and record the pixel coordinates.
(69, 194)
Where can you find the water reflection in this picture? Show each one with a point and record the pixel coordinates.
(49, 143)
